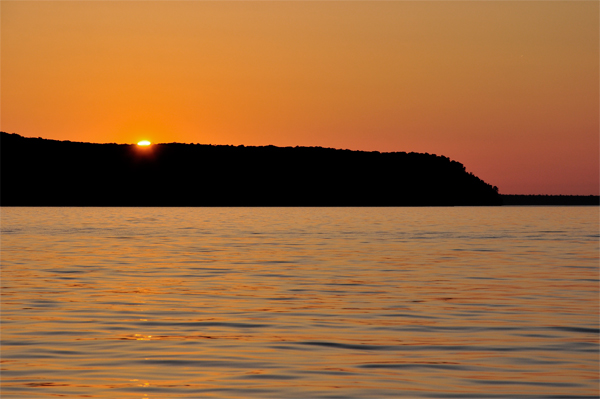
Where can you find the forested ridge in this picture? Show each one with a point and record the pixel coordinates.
(42, 172)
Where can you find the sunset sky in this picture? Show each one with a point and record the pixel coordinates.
(510, 89)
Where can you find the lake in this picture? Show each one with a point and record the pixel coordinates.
(463, 302)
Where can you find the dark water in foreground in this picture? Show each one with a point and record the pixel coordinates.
(300, 302)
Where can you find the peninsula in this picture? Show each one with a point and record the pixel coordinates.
(41, 172)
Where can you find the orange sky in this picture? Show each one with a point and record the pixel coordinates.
(510, 89)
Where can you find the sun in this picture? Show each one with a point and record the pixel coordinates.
(144, 143)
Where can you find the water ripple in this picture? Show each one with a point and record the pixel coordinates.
(300, 302)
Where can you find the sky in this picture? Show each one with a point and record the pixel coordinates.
(508, 88)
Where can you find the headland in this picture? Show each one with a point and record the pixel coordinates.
(42, 172)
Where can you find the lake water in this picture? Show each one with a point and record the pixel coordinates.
(300, 302)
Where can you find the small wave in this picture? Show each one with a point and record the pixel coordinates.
(349, 346)
(402, 366)
(532, 383)
(204, 324)
(237, 364)
(585, 330)
(271, 377)
(416, 316)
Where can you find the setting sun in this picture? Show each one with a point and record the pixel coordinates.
(144, 143)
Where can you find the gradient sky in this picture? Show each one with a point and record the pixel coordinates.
(509, 89)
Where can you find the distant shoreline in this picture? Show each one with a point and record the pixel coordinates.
(40, 172)
(563, 200)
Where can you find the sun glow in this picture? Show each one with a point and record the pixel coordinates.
(144, 143)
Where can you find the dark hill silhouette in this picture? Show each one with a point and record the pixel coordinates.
(40, 172)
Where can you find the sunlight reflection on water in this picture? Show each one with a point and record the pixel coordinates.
(300, 302)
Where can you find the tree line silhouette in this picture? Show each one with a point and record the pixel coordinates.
(41, 172)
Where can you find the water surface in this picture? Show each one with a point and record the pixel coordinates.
(300, 302)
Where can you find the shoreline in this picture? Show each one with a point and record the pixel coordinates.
(540, 199)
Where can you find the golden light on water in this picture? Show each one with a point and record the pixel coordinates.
(406, 315)
(144, 143)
